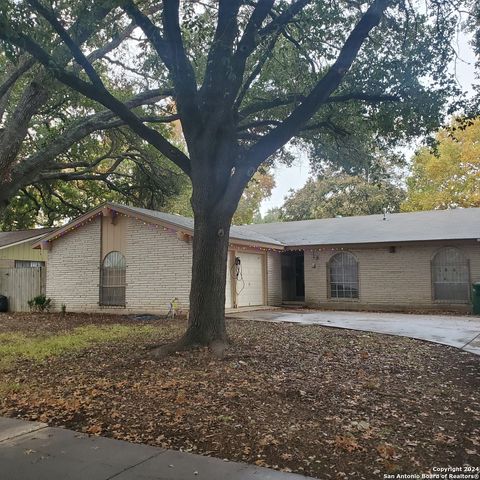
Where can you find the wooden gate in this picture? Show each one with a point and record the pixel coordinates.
(20, 285)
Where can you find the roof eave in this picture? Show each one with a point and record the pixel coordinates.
(19, 242)
(312, 246)
(148, 219)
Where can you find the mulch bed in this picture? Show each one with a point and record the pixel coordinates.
(324, 402)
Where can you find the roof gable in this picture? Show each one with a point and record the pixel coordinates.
(238, 234)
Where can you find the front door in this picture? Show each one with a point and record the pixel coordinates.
(293, 277)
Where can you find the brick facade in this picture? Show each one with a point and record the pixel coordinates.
(159, 267)
(387, 280)
(73, 269)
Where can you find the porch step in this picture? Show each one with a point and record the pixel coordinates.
(251, 308)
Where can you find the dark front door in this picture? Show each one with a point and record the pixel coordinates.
(293, 281)
(300, 276)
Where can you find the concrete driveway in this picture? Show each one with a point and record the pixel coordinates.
(457, 331)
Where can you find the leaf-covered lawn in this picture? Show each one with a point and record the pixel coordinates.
(325, 402)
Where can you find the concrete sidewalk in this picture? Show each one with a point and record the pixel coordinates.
(457, 331)
(34, 451)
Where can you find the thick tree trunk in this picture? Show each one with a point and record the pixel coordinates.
(218, 183)
(214, 201)
(206, 323)
(207, 295)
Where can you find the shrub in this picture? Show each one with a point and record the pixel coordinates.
(40, 303)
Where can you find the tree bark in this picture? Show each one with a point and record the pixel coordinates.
(214, 201)
(209, 269)
(206, 322)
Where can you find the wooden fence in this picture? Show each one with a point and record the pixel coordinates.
(20, 285)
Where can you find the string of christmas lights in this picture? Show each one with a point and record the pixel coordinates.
(156, 226)
(74, 227)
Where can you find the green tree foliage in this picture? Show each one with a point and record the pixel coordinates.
(447, 175)
(273, 215)
(109, 166)
(340, 194)
(51, 135)
(259, 188)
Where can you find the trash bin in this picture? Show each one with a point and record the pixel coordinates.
(3, 303)
(476, 298)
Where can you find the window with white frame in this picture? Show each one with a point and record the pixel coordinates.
(343, 275)
(113, 280)
(450, 276)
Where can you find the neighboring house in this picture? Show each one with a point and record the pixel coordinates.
(16, 248)
(130, 259)
(21, 279)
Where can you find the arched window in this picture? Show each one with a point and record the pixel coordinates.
(450, 276)
(113, 280)
(343, 276)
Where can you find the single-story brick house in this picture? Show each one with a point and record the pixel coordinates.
(129, 259)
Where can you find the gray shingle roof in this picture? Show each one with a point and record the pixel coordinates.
(7, 238)
(455, 224)
(236, 232)
(458, 224)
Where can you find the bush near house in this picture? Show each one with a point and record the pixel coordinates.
(40, 303)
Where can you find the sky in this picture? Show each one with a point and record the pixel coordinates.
(294, 177)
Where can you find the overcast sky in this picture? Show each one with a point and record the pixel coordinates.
(294, 177)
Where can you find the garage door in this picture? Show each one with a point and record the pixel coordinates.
(250, 285)
(228, 287)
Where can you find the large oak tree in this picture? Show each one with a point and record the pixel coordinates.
(50, 134)
(248, 77)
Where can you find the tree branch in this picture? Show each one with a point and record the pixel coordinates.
(298, 97)
(263, 105)
(171, 51)
(254, 34)
(37, 93)
(75, 50)
(219, 57)
(102, 96)
(255, 71)
(322, 91)
(27, 170)
(52, 192)
(22, 68)
(326, 124)
(183, 74)
(151, 31)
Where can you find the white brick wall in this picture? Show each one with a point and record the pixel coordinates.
(159, 267)
(386, 280)
(73, 272)
(274, 278)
